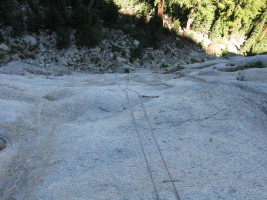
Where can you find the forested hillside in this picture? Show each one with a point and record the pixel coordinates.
(84, 16)
(244, 21)
(219, 20)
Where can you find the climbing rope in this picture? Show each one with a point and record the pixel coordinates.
(154, 138)
(142, 146)
(156, 142)
(140, 140)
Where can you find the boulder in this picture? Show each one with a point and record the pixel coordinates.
(126, 67)
(42, 48)
(4, 47)
(206, 42)
(121, 60)
(6, 59)
(91, 66)
(256, 74)
(42, 59)
(136, 43)
(214, 48)
(62, 60)
(136, 64)
(30, 40)
(69, 54)
(95, 51)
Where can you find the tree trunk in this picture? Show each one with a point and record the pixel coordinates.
(190, 20)
(238, 21)
(161, 9)
(264, 33)
(90, 4)
(188, 24)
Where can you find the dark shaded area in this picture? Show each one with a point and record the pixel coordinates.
(9, 16)
(86, 17)
(149, 33)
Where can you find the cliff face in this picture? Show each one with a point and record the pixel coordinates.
(74, 136)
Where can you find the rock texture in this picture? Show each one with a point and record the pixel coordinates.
(72, 136)
(4, 47)
(109, 56)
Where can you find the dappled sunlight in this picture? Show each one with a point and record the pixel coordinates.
(220, 27)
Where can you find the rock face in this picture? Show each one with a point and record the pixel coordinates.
(74, 137)
(257, 75)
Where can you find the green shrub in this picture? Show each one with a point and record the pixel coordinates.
(136, 52)
(176, 25)
(258, 64)
(88, 25)
(34, 17)
(115, 48)
(89, 36)
(132, 59)
(164, 66)
(2, 39)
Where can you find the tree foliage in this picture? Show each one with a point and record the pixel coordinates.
(220, 19)
(10, 15)
(86, 17)
(255, 43)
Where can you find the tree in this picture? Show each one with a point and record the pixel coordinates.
(220, 19)
(11, 15)
(256, 37)
(161, 9)
(264, 33)
(87, 23)
(34, 17)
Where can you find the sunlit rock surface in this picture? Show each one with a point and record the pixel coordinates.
(72, 136)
